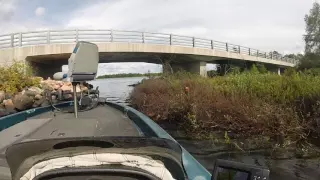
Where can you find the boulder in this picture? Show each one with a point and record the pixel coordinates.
(9, 106)
(3, 112)
(2, 96)
(22, 101)
(47, 87)
(38, 102)
(67, 97)
(38, 97)
(66, 88)
(29, 93)
(36, 90)
(56, 86)
(84, 89)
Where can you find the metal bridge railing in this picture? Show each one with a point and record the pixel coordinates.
(99, 36)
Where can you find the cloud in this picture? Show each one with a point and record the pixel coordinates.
(266, 25)
(40, 11)
(7, 8)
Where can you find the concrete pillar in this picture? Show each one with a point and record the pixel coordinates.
(279, 71)
(199, 67)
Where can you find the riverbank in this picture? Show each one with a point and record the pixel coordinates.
(128, 75)
(20, 90)
(246, 111)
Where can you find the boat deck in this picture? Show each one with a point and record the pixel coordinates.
(100, 121)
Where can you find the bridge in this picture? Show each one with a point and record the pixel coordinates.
(47, 51)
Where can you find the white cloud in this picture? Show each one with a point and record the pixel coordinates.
(6, 9)
(40, 11)
(266, 25)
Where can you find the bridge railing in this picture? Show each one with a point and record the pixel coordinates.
(99, 36)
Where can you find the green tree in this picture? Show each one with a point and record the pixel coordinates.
(311, 59)
(312, 37)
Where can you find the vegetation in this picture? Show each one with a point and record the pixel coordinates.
(311, 57)
(280, 109)
(128, 75)
(16, 77)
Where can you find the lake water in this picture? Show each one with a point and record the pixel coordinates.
(117, 90)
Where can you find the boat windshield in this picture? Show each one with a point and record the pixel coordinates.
(23, 156)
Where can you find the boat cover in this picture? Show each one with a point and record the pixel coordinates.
(146, 163)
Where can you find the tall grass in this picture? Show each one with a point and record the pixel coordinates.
(245, 105)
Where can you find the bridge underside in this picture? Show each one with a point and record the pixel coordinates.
(46, 65)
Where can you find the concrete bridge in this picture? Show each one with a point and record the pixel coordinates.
(47, 51)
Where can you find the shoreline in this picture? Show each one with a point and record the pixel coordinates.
(126, 75)
(39, 95)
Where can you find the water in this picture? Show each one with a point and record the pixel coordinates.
(117, 90)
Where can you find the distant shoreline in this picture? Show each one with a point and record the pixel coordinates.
(127, 75)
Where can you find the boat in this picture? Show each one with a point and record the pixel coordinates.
(92, 138)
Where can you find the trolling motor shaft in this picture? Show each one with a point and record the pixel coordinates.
(75, 99)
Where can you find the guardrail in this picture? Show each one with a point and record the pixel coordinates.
(98, 36)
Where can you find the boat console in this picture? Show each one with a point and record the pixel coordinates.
(231, 170)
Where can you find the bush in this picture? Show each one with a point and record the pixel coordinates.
(16, 77)
(245, 105)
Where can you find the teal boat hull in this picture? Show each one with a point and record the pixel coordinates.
(144, 125)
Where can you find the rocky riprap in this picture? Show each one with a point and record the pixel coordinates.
(49, 91)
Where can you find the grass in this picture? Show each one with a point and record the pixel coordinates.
(16, 77)
(281, 109)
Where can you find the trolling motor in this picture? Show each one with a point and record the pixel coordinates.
(83, 66)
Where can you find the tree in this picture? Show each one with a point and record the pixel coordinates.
(311, 59)
(312, 37)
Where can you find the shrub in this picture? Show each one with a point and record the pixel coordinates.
(16, 77)
(245, 104)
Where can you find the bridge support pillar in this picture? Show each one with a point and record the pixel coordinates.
(278, 70)
(46, 70)
(193, 67)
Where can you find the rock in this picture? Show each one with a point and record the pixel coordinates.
(56, 86)
(22, 101)
(67, 97)
(45, 103)
(37, 97)
(2, 96)
(47, 87)
(38, 102)
(84, 89)
(9, 106)
(3, 112)
(29, 93)
(66, 88)
(36, 90)
(77, 89)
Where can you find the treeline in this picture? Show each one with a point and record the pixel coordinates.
(128, 75)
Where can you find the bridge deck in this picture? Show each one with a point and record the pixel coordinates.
(101, 121)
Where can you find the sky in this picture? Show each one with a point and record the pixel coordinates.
(262, 24)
